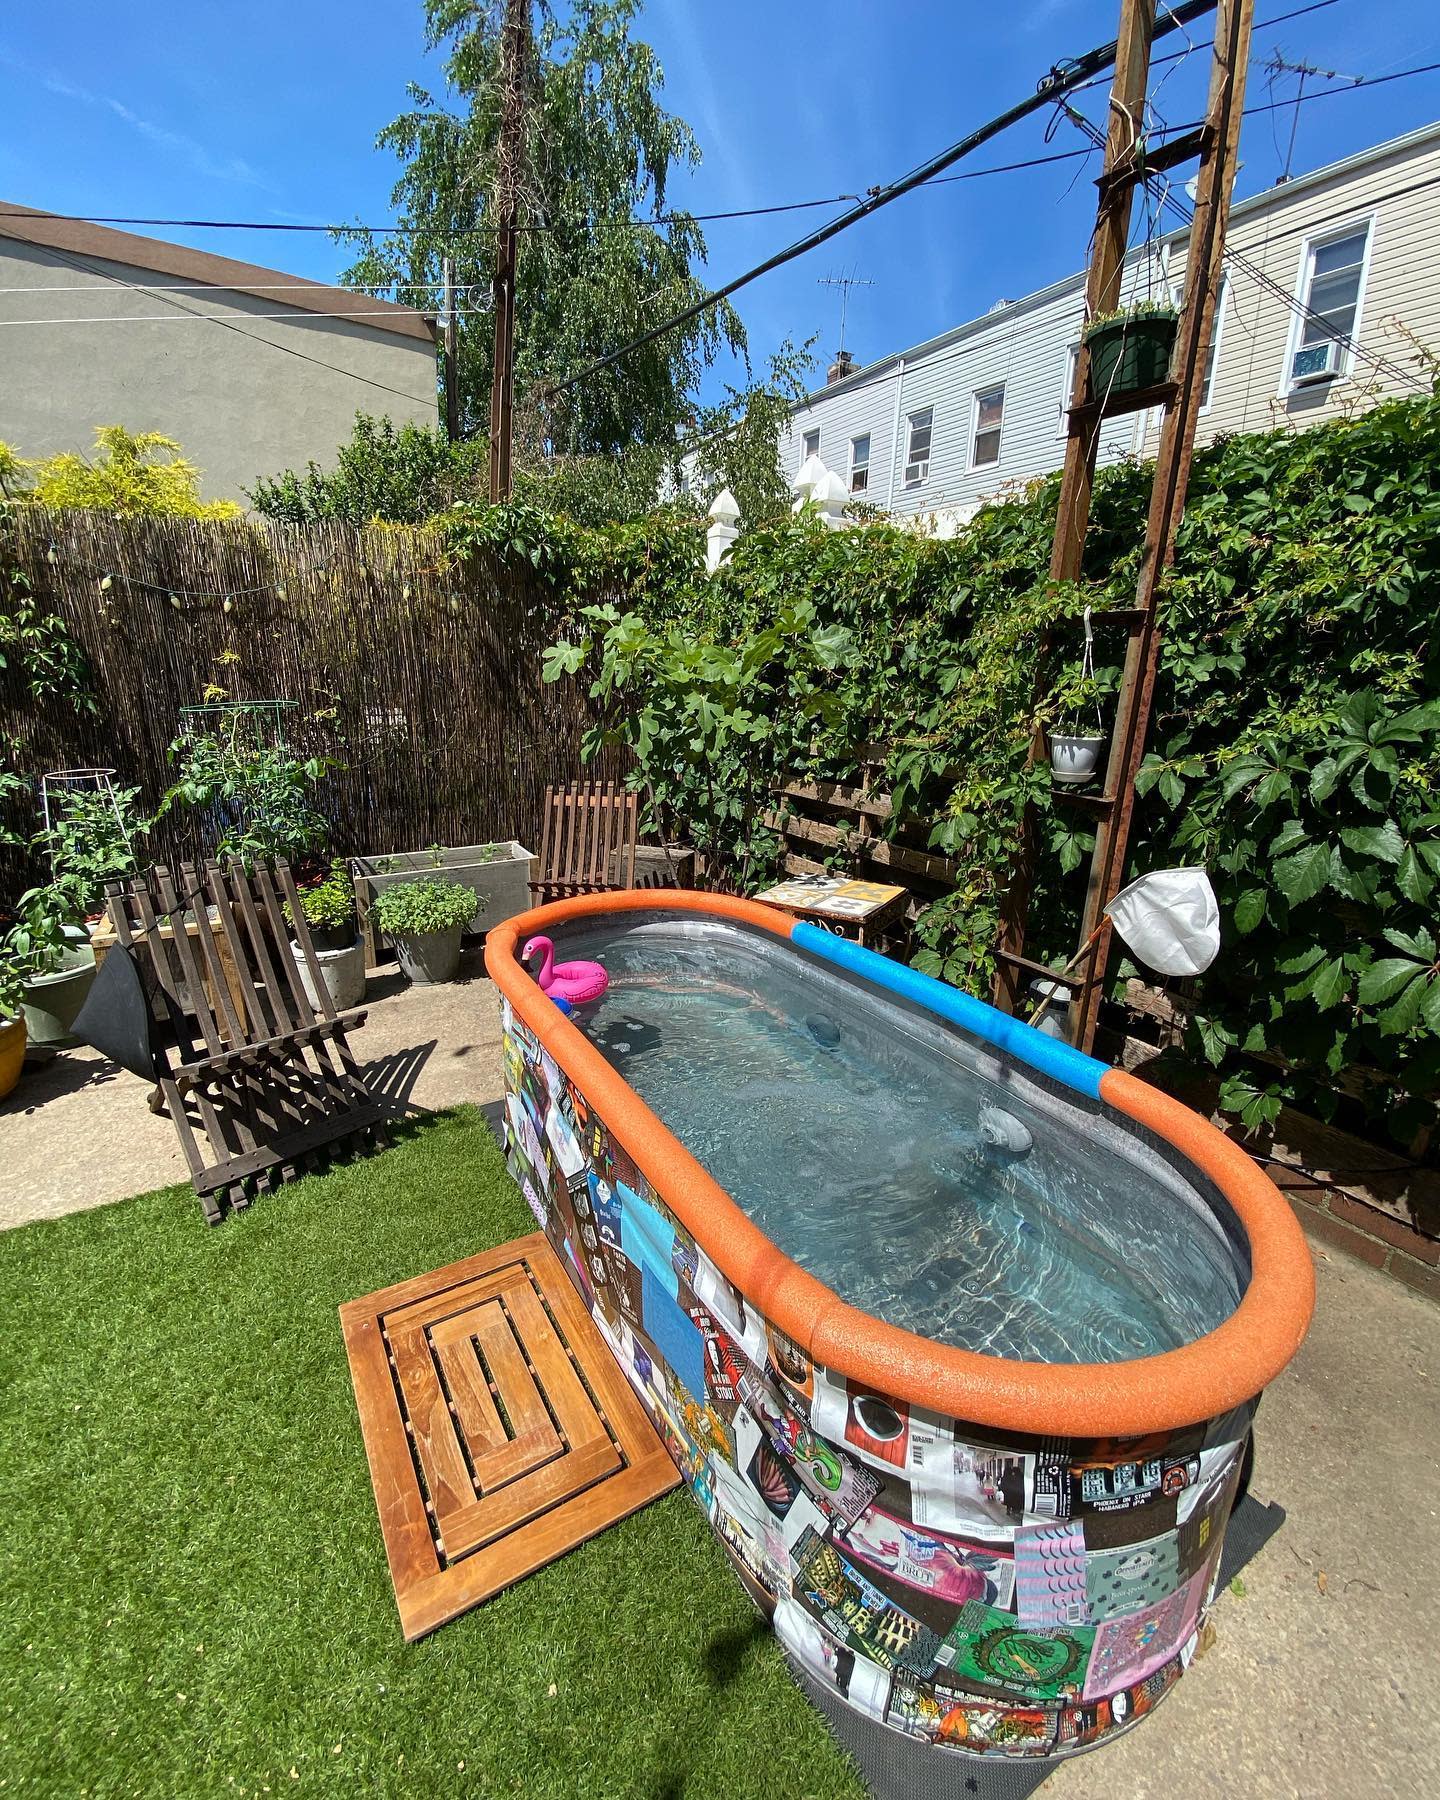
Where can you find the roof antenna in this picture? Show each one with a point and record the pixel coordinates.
(843, 362)
(1277, 66)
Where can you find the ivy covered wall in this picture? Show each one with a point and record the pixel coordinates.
(1294, 749)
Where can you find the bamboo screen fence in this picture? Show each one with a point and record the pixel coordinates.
(422, 678)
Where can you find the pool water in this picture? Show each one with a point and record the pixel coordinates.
(870, 1156)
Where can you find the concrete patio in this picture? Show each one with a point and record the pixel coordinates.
(1319, 1678)
(78, 1133)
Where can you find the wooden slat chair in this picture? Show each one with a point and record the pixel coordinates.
(587, 842)
(220, 943)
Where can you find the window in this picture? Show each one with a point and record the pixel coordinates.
(810, 445)
(860, 463)
(1071, 357)
(1332, 276)
(989, 411)
(917, 457)
(1217, 326)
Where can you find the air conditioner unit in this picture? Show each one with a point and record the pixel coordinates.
(916, 472)
(1316, 362)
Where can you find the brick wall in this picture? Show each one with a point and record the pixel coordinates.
(1343, 1223)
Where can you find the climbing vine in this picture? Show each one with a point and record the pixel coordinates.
(1294, 747)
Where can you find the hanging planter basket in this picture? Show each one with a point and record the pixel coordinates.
(1075, 752)
(1130, 353)
(1075, 756)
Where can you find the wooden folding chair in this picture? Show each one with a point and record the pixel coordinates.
(220, 944)
(587, 843)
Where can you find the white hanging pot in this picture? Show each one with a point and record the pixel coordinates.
(1075, 758)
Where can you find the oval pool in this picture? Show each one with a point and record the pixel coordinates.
(955, 1333)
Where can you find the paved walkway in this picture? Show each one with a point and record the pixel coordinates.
(78, 1133)
(1321, 1678)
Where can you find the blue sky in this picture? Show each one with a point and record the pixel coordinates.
(172, 111)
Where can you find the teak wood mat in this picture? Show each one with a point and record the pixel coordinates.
(499, 1431)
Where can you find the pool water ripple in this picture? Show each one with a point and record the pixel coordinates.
(864, 1160)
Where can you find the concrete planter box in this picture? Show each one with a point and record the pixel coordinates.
(498, 873)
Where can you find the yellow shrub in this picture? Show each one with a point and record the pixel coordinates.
(132, 473)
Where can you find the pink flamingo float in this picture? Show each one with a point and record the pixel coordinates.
(568, 984)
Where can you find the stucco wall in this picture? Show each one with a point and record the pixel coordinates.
(240, 404)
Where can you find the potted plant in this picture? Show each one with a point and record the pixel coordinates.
(425, 918)
(1078, 735)
(1130, 348)
(498, 874)
(12, 1022)
(56, 964)
(328, 908)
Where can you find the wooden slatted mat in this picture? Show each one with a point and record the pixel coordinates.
(499, 1430)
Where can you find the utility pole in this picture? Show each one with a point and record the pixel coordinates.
(1128, 162)
(514, 74)
(450, 342)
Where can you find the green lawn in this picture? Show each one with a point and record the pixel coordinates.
(192, 1584)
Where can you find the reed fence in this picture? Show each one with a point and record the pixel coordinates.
(421, 676)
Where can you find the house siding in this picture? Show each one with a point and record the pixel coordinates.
(1025, 344)
(1400, 193)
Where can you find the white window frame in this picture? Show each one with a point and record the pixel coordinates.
(1217, 341)
(1072, 356)
(866, 438)
(805, 451)
(1332, 234)
(972, 466)
(922, 469)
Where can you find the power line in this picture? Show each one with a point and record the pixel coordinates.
(295, 316)
(1055, 85)
(292, 286)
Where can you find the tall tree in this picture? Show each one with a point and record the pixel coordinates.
(599, 252)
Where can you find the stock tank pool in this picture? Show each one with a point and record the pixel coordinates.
(955, 1334)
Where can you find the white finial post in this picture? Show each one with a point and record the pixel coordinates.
(808, 481)
(723, 531)
(832, 496)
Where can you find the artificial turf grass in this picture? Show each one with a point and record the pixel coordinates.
(195, 1597)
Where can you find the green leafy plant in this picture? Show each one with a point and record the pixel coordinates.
(715, 728)
(260, 794)
(404, 474)
(37, 642)
(328, 904)
(35, 942)
(91, 841)
(419, 908)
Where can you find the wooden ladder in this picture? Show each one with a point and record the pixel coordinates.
(1128, 163)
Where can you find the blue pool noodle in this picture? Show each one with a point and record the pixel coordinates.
(1047, 1055)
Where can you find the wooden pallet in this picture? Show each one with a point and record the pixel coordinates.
(499, 1430)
